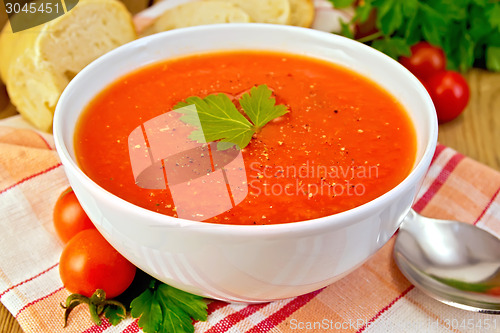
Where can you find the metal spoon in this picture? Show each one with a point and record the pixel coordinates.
(454, 262)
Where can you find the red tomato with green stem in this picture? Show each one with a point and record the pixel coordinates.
(425, 60)
(449, 92)
(69, 216)
(89, 262)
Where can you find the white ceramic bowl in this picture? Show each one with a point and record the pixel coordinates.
(246, 263)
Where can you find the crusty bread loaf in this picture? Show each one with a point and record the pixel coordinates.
(265, 11)
(301, 13)
(37, 64)
(293, 12)
(197, 13)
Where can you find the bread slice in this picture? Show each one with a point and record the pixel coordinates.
(37, 64)
(197, 13)
(265, 11)
(301, 13)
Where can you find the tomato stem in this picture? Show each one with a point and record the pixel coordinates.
(97, 304)
(371, 37)
(94, 314)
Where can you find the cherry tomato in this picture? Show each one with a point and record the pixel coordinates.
(449, 92)
(69, 216)
(425, 60)
(89, 262)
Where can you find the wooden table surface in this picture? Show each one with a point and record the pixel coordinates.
(476, 133)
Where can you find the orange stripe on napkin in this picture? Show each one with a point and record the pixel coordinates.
(23, 137)
(20, 163)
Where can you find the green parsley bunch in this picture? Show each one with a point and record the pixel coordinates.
(467, 30)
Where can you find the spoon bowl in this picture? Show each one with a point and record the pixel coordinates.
(454, 262)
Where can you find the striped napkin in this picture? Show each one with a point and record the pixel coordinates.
(374, 298)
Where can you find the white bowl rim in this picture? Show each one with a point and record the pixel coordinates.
(340, 219)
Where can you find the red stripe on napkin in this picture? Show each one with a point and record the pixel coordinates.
(215, 305)
(49, 146)
(31, 177)
(27, 280)
(99, 328)
(270, 322)
(485, 208)
(37, 300)
(384, 309)
(229, 321)
(438, 182)
(437, 152)
(132, 328)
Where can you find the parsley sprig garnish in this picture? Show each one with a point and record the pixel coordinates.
(165, 309)
(216, 117)
(159, 307)
(467, 30)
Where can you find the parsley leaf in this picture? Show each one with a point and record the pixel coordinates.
(341, 3)
(493, 13)
(219, 119)
(188, 303)
(363, 12)
(216, 118)
(165, 309)
(176, 321)
(260, 107)
(493, 58)
(389, 15)
(393, 47)
(115, 314)
(147, 308)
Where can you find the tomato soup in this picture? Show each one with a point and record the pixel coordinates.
(345, 140)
